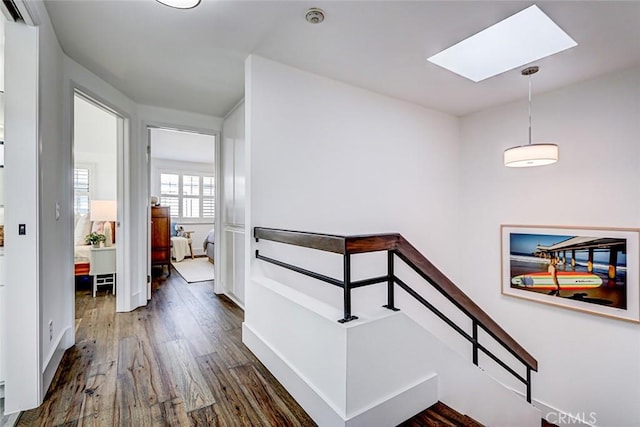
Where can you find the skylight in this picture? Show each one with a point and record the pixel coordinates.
(522, 38)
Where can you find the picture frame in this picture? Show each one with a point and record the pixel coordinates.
(589, 269)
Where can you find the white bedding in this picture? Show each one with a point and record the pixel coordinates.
(179, 248)
(82, 253)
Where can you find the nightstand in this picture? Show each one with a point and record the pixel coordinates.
(103, 268)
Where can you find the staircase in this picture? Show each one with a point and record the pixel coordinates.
(408, 365)
(440, 415)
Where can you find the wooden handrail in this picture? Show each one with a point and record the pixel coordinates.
(347, 245)
(442, 283)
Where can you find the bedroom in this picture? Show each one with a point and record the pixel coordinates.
(95, 196)
(182, 177)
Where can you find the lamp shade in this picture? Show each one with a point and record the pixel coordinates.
(531, 155)
(104, 210)
(180, 4)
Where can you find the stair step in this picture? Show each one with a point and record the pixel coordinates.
(440, 415)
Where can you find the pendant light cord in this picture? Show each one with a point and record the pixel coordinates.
(529, 109)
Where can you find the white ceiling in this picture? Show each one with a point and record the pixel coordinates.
(193, 60)
(182, 146)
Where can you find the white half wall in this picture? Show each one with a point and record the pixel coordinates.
(588, 364)
(379, 370)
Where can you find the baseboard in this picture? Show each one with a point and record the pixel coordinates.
(392, 410)
(310, 399)
(235, 300)
(559, 417)
(399, 407)
(54, 357)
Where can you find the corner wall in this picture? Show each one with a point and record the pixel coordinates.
(328, 157)
(588, 364)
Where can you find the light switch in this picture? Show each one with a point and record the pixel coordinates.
(57, 211)
(22, 229)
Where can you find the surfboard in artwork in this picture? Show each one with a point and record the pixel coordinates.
(566, 279)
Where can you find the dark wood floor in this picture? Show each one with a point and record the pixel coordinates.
(179, 361)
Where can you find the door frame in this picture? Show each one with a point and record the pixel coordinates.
(123, 232)
(147, 125)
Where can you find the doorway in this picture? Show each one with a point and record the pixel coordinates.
(182, 178)
(97, 197)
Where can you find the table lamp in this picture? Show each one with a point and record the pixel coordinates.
(105, 210)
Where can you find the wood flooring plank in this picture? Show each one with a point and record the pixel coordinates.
(189, 329)
(272, 409)
(226, 314)
(205, 417)
(106, 330)
(62, 403)
(170, 413)
(86, 330)
(185, 376)
(98, 419)
(99, 395)
(232, 353)
(233, 407)
(137, 361)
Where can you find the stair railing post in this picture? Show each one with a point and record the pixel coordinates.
(347, 290)
(390, 282)
(475, 342)
(528, 384)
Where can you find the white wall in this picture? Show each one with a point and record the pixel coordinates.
(587, 363)
(95, 136)
(36, 269)
(55, 232)
(328, 157)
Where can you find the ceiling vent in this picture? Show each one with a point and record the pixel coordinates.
(314, 15)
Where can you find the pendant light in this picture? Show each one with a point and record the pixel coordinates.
(180, 4)
(523, 156)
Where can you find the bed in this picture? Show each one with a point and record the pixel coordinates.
(208, 245)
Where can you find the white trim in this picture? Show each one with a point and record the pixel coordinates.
(53, 359)
(146, 125)
(124, 300)
(233, 298)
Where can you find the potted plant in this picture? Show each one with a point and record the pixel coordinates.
(94, 239)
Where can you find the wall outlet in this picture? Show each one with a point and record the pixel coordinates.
(50, 330)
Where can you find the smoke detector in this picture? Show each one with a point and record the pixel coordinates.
(314, 15)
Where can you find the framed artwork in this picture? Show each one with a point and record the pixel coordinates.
(594, 270)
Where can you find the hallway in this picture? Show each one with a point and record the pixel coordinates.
(179, 361)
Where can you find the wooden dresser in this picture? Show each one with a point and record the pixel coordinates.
(161, 237)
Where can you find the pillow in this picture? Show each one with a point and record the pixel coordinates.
(174, 232)
(82, 228)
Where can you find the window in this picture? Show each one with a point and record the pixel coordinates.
(81, 190)
(189, 196)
